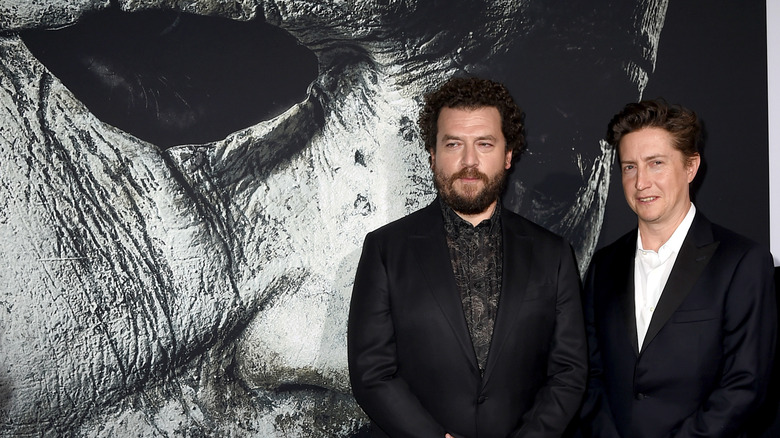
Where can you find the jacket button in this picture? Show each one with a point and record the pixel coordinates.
(481, 399)
(640, 396)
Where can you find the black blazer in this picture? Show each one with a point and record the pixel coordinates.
(412, 365)
(708, 351)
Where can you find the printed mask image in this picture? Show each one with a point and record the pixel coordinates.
(180, 230)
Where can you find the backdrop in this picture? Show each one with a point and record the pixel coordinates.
(185, 186)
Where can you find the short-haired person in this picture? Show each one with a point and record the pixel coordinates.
(465, 318)
(680, 312)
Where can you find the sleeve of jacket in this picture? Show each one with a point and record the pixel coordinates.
(558, 401)
(596, 416)
(373, 363)
(749, 332)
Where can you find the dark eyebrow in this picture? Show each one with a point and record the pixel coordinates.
(481, 137)
(655, 157)
(648, 158)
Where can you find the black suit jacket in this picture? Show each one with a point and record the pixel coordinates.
(707, 355)
(412, 365)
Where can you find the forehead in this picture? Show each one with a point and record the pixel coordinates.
(646, 143)
(482, 117)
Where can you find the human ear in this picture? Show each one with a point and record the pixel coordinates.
(692, 166)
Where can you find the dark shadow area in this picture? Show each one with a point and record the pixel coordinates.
(584, 46)
(173, 78)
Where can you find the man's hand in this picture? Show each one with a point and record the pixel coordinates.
(448, 436)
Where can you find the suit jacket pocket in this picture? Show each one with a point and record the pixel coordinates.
(683, 316)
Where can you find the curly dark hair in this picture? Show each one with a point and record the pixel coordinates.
(680, 122)
(473, 93)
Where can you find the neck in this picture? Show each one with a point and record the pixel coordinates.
(655, 235)
(653, 241)
(475, 219)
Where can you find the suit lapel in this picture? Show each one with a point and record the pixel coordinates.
(429, 245)
(517, 264)
(624, 287)
(696, 251)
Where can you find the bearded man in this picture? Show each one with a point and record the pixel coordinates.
(465, 318)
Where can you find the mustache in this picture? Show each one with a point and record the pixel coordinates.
(469, 172)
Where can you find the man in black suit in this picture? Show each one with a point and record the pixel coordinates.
(680, 312)
(465, 318)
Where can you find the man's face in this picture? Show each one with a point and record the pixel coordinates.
(656, 177)
(471, 158)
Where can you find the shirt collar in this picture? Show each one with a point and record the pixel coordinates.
(452, 221)
(675, 242)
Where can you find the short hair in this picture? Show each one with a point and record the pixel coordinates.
(473, 93)
(680, 122)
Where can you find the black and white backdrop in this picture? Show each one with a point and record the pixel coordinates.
(185, 186)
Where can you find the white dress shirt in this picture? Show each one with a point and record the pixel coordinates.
(651, 271)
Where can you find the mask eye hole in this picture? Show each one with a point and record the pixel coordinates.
(173, 78)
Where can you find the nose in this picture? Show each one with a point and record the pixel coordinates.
(470, 158)
(642, 181)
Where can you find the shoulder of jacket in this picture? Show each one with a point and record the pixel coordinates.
(527, 226)
(407, 225)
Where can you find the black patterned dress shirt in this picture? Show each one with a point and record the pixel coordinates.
(476, 253)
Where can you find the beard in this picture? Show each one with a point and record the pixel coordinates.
(474, 200)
